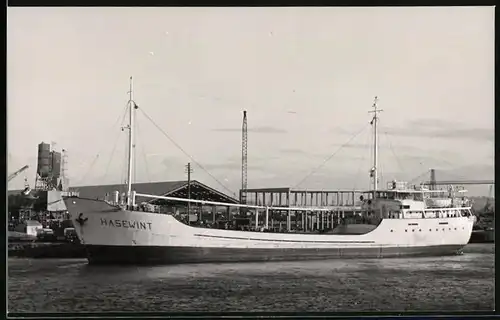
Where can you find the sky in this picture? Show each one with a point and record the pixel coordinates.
(306, 76)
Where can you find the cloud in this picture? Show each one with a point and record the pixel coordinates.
(466, 133)
(432, 128)
(436, 123)
(429, 161)
(340, 130)
(233, 163)
(230, 166)
(442, 129)
(471, 172)
(289, 152)
(261, 129)
(292, 151)
(383, 145)
(353, 146)
(170, 161)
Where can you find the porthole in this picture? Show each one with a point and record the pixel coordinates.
(406, 230)
(430, 229)
(443, 229)
(455, 228)
(392, 230)
(412, 230)
(419, 230)
(437, 229)
(449, 229)
(463, 228)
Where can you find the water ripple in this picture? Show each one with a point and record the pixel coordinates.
(422, 284)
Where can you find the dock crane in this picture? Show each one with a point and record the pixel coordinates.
(15, 174)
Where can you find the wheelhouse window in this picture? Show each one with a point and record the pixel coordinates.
(386, 195)
(405, 196)
(418, 197)
(397, 195)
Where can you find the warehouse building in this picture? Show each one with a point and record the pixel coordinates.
(177, 189)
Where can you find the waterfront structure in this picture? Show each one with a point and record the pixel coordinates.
(50, 171)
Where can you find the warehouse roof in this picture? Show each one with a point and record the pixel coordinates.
(179, 189)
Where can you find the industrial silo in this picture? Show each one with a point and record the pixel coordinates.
(55, 164)
(44, 160)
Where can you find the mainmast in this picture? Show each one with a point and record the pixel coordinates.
(374, 170)
(244, 159)
(130, 143)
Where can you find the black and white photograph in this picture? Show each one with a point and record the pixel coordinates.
(250, 159)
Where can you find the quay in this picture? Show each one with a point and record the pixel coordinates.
(482, 236)
(46, 250)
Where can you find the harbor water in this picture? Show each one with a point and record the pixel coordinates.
(454, 283)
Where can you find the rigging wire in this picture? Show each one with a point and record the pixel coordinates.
(134, 173)
(394, 153)
(330, 157)
(142, 149)
(103, 146)
(360, 165)
(124, 171)
(115, 144)
(372, 155)
(380, 164)
(451, 175)
(419, 159)
(124, 174)
(380, 171)
(183, 151)
(111, 156)
(84, 177)
(419, 176)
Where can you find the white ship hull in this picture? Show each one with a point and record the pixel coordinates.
(119, 236)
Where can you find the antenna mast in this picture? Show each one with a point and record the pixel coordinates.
(374, 170)
(244, 159)
(130, 143)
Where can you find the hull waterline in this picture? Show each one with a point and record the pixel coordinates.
(150, 255)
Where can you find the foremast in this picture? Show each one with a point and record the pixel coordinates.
(374, 170)
(130, 127)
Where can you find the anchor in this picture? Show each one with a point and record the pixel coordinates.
(81, 220)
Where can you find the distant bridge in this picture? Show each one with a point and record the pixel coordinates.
(455, 182)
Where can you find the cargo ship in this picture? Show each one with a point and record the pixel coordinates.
(399, 221)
